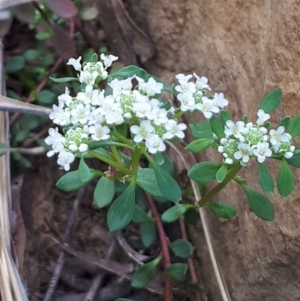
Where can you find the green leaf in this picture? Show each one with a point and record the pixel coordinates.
(259, 203)
(71, 182)
(45, 97)
(222, 210)
(191, 216)
(217, 126)
(32, 54)
(130, 71)
(94, 58)
(63, 79)
(84, 171)
(167, 165)
(174, 213)
(265, 179)
(167, 184)
(182, 248)
(177, 271)
(146, 179)
(14, 64)
(294, 127)
(294, 161)
(159, 159)
(121, 211)
(3, 148)
(245, 119)
(271, 101)
(201, 130)
(225, 115)
(144, 273)
(284, 122)
(285, 179)
(204, 171)
(140, 216)
(148, 234)
(221, 173)
(199, 145)
(104, 192)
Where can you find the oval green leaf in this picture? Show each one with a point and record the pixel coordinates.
(177, 271)
(84, 171)
(146, 179)
(204, 171)
(221, 173)
(174, 213)
(201, 130)
(285, 179)
(15, 64)
(225, 115)
(148, 234)
(182, 248)
(271, 101)
(294, 161)
(63, 79)
(121, 211)
(217, 126)
(265, 179)
(144, 273)
(104, 192)
(222, 210)
(199, 145)
(294, 127)
(259, 203)
(140, 216)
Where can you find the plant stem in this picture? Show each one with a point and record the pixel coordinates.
(232, 173)
(122, 138)
(164, 247)
(116, 155)
(121, 168)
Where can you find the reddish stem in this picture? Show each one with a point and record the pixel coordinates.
(164, 247)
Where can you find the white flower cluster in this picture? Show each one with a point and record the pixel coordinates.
(244, 141)
(192, 95)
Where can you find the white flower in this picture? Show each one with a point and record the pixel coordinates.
(64, 98)
(119, 85)
(174, 129)
(155, 144)
(235, 129)
(278, 136)
(207, 107)
(290, 153)
(187, 101)
(262, 117)
(141, 109)
(219, 100)
(99, 132)
(114, 117)
(65, 159)
(262, 151)
(184, 84)
(159, 116)
(75, 63)
(56, 140)
(80, 114)
(144, 131)
(97, 97)
(151, 87)
(201, 82)
(108, 60)
(96, 116)
(60, 116)
(244, 152)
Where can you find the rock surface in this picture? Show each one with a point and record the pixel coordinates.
(246, 49)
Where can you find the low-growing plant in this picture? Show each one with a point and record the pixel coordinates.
(126, 121)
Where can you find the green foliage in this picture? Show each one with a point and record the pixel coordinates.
(285, 179)
(191, 216)
(174, 213)
(144, 273)
(265, 179)
(221, 173)
(148, 234)
(271, 101)
(182, 248)
(104, 192)
(199, 145)
(217, 126)
(14, 64)
(45, 97)
(295, 160)
(259, 203)
(121, 211)
(204, 171)
(159, 159)
(294, 127)
(225, 115)
(177, 271)
(146, 179)
(71, 181)
(63, 79)
(201, 130)
(140, 216)
(222, 210)
(84, 172)
(284, 122)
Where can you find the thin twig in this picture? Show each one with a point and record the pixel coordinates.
(131, 253)
(164, 247)
(28, 151)
(100, 276)
(67, 236)
(220, 280)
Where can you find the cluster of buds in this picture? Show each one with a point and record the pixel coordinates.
(247, 140)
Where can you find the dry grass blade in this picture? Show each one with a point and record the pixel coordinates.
(221, 283)
(11, 286)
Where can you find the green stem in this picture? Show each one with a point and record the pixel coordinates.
(232, 173)
(178, 115)
(116, 155)
(121, 168)
(136, 159)
(122, 138)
